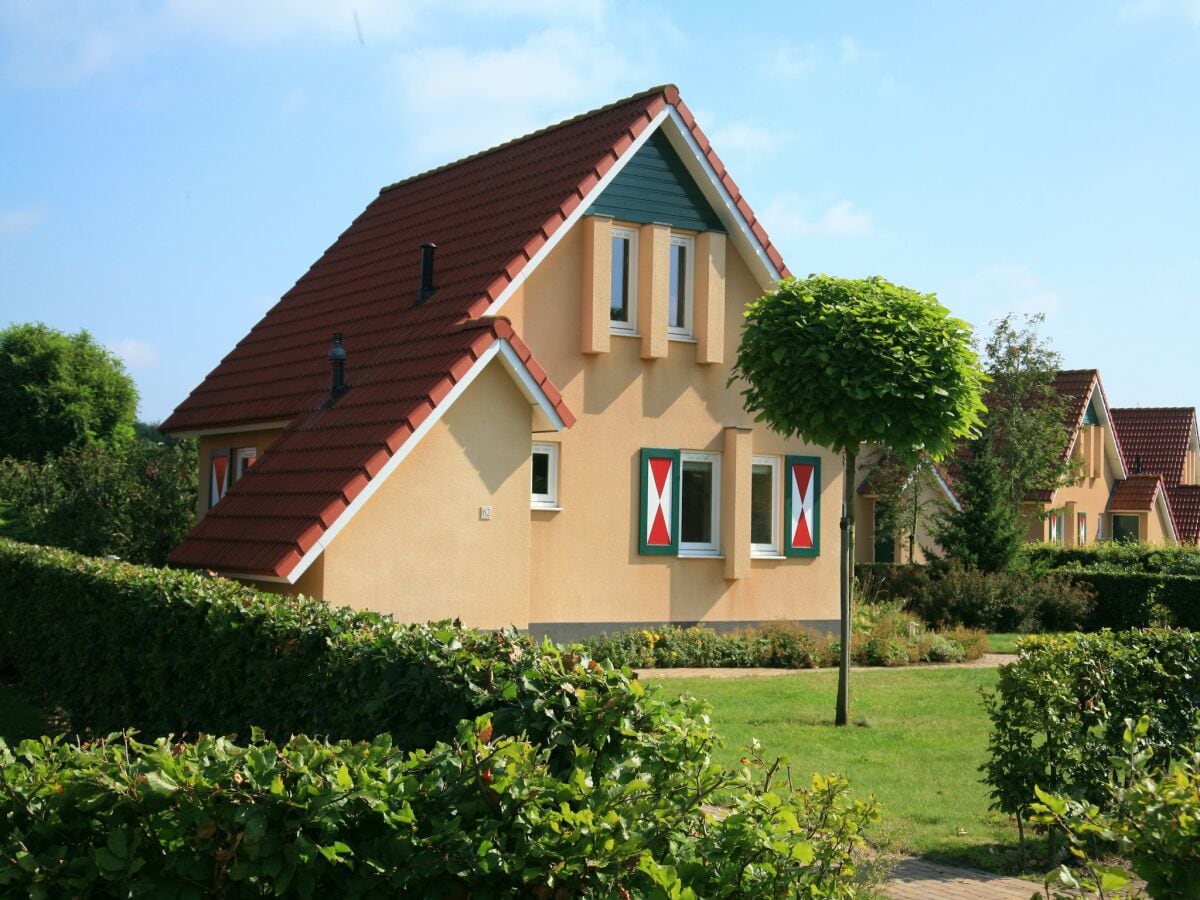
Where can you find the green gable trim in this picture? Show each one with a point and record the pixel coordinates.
(1090, 417)
(655, 186)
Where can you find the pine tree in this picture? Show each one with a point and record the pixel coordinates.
(985, 531)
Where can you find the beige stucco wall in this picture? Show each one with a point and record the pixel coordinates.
(418, 548)
(259, 440)
(585, 564)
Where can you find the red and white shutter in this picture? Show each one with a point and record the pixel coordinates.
(219, 478)
(803, 502)
(659, 507)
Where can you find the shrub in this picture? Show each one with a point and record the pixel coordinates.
(883, 635)
(890, 581)
(786, 645)
(1114, 556)
(1155, 824)
(484, 816)
(1058, 712)
(1137, 599)
(159, 650)
(1004, 601)
(134, 499)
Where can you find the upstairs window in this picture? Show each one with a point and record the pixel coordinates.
(245, 459)
(679, 299)
(544, 489)
(622, 311)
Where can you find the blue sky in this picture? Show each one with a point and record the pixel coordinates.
(170, 169)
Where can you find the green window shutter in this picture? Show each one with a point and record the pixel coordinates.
(658, 526)
(802, 506)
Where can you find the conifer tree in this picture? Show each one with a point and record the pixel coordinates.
(985, 531)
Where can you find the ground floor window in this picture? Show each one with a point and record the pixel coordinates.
(700, 504)
(1081, 535)
(885, 541)
(1126, 528)
(764, 506)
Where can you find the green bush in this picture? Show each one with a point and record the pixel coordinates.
(890, 581)
(1058, 714)
(1140, 599)
(160, 650)
(884, 635)
(1003, 601)
(1114, 555)
(1155, 823)
(135, 499)
(483, 816)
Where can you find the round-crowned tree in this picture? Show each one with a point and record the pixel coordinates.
(60, 390)
(842, 362)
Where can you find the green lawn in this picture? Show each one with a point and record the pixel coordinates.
(920, 737)
(1004, 643)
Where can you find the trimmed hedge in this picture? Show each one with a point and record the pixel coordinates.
(1166, 559)
(1139, 599)
(163, 651)
(1059, 712)
(481, 817)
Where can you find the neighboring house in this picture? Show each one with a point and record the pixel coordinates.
(1161, 444)
(533, 425)
(1111, 499)
(1103, 502)
(924, 497)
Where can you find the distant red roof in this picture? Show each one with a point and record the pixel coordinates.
(489, 215)
(1135, 493)
(1185, 506)
(1157, 439)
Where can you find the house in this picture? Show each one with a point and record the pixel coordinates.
(1161, 445)
(501, 395)
(1110, 499)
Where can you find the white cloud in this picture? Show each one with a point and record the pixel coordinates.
(744, 138)
(790, 61)
(458, 100)
(787, 219)
(64, 42)
(1003, 288)
(16, 222)
(135, 353)
(1138, 10)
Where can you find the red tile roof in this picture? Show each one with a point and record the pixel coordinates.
(1157, 437)
(1076, 386)
(1185, 507)
(1135, 493)
(489, 214)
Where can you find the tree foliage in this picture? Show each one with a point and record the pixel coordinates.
(60, 390)
(846, 361)
(1026, 416)
(842, 362)
(985, 532)
(134, 499)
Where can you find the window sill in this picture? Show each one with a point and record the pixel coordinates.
(632, 334)
(767, 556)
(535, 508)
(700, 554)
(683, 338)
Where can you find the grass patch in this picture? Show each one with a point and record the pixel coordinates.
(1004, 643)
(921, 737)
(19, 718)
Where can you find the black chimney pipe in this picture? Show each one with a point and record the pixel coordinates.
(337, 362)
(427, 285)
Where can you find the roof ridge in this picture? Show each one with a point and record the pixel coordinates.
(649, 92)
(1181, 409)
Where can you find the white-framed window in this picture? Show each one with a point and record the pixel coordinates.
(245, 459)
(699, 504)
(622, 309)
(544, 488)
(679, 297)
(764, 506)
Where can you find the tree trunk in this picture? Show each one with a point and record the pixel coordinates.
(843, 698)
